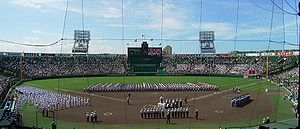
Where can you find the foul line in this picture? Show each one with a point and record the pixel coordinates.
(93, 95)
(209, 95)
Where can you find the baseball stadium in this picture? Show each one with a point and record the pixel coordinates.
(151, 64)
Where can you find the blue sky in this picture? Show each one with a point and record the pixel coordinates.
(41, 22)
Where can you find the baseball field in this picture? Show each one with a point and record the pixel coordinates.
(214, 107)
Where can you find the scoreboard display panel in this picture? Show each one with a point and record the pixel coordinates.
(155, 52)
(134, 52)
(144, 59)
(207, 41)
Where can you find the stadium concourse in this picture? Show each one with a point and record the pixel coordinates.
(111, 97)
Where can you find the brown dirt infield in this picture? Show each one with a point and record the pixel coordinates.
(111, 107)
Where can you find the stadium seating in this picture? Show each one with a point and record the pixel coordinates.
(47, 66)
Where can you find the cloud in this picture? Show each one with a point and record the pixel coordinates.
(222, 30)
(173, 17)
(43, 33)
(106, 10)
(31, 40)
(41, 5)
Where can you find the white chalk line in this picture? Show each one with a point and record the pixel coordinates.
(216, 93)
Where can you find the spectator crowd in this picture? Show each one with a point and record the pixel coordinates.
(5, 84)
(288, 79)
(44, 66)
(280, 68)
(184, 64)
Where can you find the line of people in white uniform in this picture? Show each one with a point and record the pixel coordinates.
(161, 113)
(145, 87)
(48, 101)
(173, 103)
(91, 116)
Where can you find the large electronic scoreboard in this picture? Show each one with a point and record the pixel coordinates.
(144, 59)
(155, 52)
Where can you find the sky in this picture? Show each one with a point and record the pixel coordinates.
(42, 22)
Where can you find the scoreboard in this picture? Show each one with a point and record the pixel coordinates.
(144, 59)
(207, 41)
(134, 52)
(138, 52)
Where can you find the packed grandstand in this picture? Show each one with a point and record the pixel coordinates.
(282, 70)
(282, 65)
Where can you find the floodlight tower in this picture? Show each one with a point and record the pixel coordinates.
(207, 39)
(81, 41)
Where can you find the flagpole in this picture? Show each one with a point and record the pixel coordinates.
(298, 98)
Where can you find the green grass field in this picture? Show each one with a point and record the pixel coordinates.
(29, 116)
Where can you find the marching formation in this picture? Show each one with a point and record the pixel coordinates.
(152, 113)
(181, 112)
(47, 100)
(159, 113)
(173, 103)
(171, 107)
(92, 115)
(144, 87)
(240, 100)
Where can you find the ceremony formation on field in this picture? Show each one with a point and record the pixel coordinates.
(45, 100)
(144, 87)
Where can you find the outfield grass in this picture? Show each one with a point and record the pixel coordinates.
(29, 115)
(83, 82)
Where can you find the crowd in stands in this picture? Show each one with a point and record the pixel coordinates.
(10, 114)
(219, 65)
(43, 66)
(289, 79)
(1, 76)
(80, 65)
(48, 101)
(144, 87)
(5, 84)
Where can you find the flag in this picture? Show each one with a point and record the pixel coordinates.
(135, 40)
